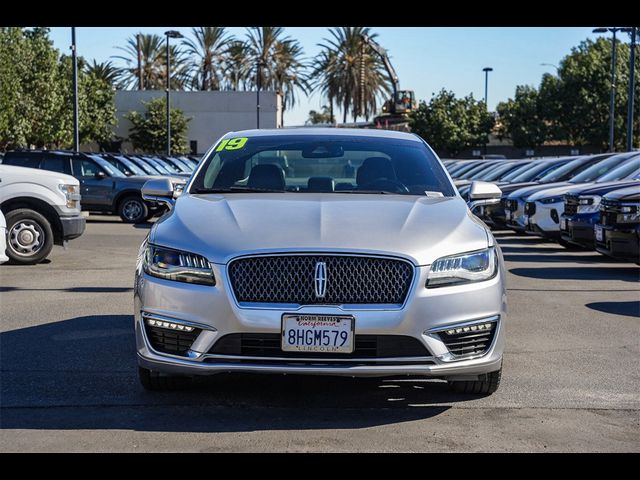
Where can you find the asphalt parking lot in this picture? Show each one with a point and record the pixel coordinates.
(571, 379)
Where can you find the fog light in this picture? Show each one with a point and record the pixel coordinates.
(169, 325)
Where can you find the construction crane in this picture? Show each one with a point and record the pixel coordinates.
(401, 102)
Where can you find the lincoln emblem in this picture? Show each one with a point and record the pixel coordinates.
(321, 279)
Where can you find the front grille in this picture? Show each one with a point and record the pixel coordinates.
(512, 205)
(470, 343)
(290, 279)
(530, 208)
(366, 346)
(571, 204)
(170, 341)
(610, 209)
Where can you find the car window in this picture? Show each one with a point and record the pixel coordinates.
(56, 164)
(85, 168)
(321, 163)
(23, 160)
(622, 170)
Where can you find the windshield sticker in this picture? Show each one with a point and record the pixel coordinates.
(232, 144)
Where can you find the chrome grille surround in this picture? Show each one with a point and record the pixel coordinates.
(289, 280)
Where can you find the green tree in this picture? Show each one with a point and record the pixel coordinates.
(148, 132)
(208, 52)
(153, 63)
(582, 106)
(343, 61)
(324, 116)
(522, 118)
(451, 124)
(281, 64)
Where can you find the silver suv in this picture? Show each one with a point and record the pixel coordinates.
(325, 252)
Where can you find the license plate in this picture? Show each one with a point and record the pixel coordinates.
(563, 224)
(599, 233)
(318, 333)
(507, 214)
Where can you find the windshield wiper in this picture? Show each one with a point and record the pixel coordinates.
(239, 188)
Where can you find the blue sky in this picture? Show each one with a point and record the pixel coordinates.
(426, 59)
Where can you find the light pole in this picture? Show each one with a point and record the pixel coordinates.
(612, 101)
(259, 66)
(169, 34)
(74, 57)
(486, 71)
(632, 75)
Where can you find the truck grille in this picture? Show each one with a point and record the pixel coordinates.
(511, 205)
(530, 208)
(571, 204)
(366, 346)
(292, 279)
(610, 209)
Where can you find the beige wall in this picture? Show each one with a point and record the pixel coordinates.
(212, 113)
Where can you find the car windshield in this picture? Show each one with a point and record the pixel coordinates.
(499, 172)
(597, 170)
(322, 163)
(135, 169)
(625, 170)
(568, 170)
(111, 170)
(528, 172)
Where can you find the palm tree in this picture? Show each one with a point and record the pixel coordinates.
(153, 64)
(237, 65)
(208, 50)
(280, 63)
(106, 71)
(344, 61)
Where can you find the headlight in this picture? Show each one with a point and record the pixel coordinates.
(589, 204)
(71, 193)
(546, 201)
(463, 268)
(178, 266)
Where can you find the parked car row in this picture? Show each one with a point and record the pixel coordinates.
(41, 193)
(589, 202)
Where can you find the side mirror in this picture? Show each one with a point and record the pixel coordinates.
(159, 190)
(100, 174)
(482, 194)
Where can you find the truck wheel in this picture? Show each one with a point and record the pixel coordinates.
(132, 209)
(29, 236)
(488, 385)
(155, 381)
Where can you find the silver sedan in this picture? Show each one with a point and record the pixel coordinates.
(325, 252)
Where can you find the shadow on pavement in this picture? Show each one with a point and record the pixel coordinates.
(625, 274)
(81, 373)
(630, 309)
(70, 290)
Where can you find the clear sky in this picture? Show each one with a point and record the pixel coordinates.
(426, 59)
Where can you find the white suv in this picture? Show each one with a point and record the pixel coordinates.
(41, 209)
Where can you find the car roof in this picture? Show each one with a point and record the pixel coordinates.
(332, 132)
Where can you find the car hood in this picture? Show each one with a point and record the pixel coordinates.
(604, 187)
(221, 227)
(629, 194)
(557, 191)
(526, 191)
(140, 180)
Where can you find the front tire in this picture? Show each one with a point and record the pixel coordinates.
(29, 237)
(157, 382)
(486, 386)
(132, 209)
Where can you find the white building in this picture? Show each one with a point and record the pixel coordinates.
(212, 114)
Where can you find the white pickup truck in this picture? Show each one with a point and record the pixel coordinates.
(41, 208)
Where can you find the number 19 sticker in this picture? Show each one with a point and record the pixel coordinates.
(232, 144)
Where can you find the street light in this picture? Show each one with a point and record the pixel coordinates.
(486, 71)
(169, 34)
(613, 30)
(632, 76)
(260, 63)
(74, 57)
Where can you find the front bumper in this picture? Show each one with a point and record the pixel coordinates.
(579, 232)
(214, 310)
(72, 227)
(620, 243)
